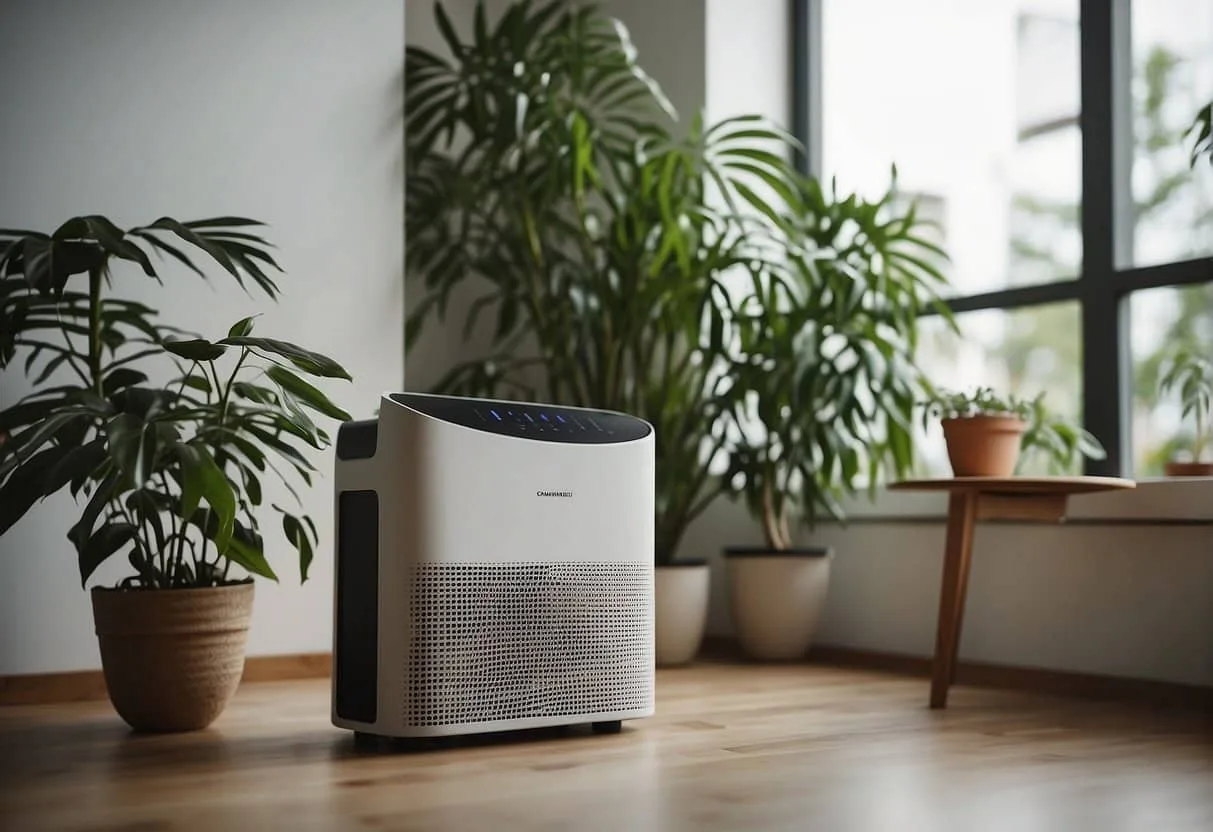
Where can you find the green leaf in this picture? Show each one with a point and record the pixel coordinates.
(27, 485)
(203, 480)
(120, 378)
(306, 393)
(447, 30)
(306, 360)
(299, 423)
(48, 264)
(246, 550)
(216, 252)
(109, 539)
(147, 505)
(297, 535)
(22, 446)
(133, 445)
(27, 412)
(195, 349)
(82, 531)
(242, 327)
(255, 393)
(80, 461)
(223, 222)
(165, 248)
(113, 240)
(195, 382)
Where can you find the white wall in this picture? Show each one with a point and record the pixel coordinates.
(1122, 600)
(283, 110)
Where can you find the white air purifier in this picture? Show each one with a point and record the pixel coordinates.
(494, 568)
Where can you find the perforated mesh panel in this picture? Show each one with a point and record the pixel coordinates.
(513, 641)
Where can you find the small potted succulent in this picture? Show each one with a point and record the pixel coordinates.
(1191, 377)
(990, 435)
(164, 440)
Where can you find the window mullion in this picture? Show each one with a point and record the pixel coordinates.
(1105, 71)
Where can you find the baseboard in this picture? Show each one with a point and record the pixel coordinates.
(1005, 677)
(88, 685)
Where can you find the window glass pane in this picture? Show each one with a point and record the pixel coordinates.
(977, 104)
(1023, 352)
(1162, 321)
(1172, 80)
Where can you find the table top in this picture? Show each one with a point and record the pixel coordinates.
(1016, 485)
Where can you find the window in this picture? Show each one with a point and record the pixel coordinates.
(1162, 319)
(1172, 79)
(1047, 137)
(1021, 351)
(985, 125)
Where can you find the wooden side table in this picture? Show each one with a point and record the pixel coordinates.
(987, 498)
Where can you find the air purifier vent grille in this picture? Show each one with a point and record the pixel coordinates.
(494, 642)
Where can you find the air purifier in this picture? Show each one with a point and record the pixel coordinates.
(494, 568)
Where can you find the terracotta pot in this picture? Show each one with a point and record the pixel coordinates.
(681, 610)
(776, 598)
(1189, 469)
(983, 446)
(172, 657)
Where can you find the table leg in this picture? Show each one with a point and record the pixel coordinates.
(962, 515)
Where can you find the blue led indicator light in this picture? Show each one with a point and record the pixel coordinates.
(528, 416)
(496, 415)
(559, 418)
(543, 416)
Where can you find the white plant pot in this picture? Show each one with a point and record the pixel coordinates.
(777, 598)
(681, 592)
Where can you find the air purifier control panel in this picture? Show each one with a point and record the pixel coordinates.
(530, 421)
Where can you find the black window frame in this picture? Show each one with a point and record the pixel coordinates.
(1106, 278)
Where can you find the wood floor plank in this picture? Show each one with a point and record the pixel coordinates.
(732, 747)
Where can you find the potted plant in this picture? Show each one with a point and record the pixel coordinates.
(989, 435)
(166, 440)
(1191, 377)
(544, 173)
(822, 397)
(983, 431)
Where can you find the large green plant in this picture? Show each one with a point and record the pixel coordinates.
(544, 170)
(823, 385)
(172, 472)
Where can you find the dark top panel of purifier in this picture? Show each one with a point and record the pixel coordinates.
(546, 423)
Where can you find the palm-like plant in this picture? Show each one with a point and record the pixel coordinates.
(823, 385)
(542, 164)
(172, 473)
(1191, 376)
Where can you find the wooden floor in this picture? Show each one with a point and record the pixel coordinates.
(733, 747)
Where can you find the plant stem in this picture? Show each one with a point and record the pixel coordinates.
(142, 541)
(94, 327)
(770, 514)
(184, 379)
(227, 388)
(1201, 439)
(172, 560)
